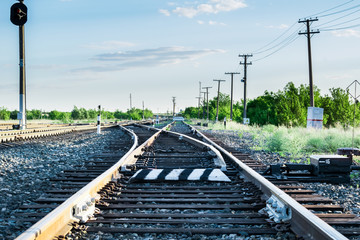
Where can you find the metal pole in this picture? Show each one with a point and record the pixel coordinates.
(207, 102)
(198, 106)
(245, 77)
(355, 96)
(217, 105)
(231, 101)
(199, 99)
(203, 107)
(130, 102)
(22, 107)
(174, 106)
(143, 116)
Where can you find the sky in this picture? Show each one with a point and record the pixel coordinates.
(85, 53)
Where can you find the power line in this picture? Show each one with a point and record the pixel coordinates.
(342, 23)
(342, 28)
(338, 18)
(341, 11)
(289, 38)
(277, 46)
(317, 14)
(257, 50)
(295, 37)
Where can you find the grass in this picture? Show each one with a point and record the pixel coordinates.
(295, 141)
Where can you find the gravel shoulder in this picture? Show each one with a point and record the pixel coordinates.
(25, 170)
(347, 195)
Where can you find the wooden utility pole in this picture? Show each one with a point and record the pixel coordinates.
(309, 33)
(217, 105)
(244, 80)
(231, 98)
(207, 102)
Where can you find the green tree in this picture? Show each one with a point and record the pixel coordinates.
(13, 114)
(4, 114)
(75, 113)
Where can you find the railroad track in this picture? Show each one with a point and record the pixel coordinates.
(323, 207)
(176, 186)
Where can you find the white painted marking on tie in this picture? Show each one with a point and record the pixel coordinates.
(153, 174)
(218, 175)
(196, 174)
(174, 174)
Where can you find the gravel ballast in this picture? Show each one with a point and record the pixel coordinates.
(346, 195)
(25, 170)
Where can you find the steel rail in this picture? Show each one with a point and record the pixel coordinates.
(303, 222)
(219, 160)
(59, 220)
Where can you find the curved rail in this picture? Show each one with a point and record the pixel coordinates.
(303, 222)
(60, 219)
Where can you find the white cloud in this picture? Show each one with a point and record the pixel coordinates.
(109, 45)
(146, 58)
(200, 22)
(281, 26)
(346, 33)
(210, 7)
(186, 12)
(165, 12)
(228, 5)
(216, 23)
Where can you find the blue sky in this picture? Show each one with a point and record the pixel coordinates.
(87, 53)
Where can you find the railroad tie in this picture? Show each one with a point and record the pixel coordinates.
(202, 174)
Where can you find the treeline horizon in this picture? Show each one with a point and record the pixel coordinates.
(77, 114)
(287, 107)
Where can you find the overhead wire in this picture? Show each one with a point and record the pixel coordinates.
(259, 49)
(342, 23)
(274, 44)
(341, 28)
(341, 11)
(285, 45)
(338, 18)
(317, 14)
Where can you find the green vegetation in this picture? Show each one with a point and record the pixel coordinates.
(287, 107)
(77, 114)
(293, 141)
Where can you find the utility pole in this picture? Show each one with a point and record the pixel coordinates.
(173, 99)
(198, 106)
(143, 117)
(309, 33)
(231, 98)
(130, 102)
(207, 102)
(217, 105)
(199, 99)
(244, 80)
(203, 107)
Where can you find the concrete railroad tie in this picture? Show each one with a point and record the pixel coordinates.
(202, 174)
